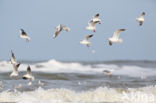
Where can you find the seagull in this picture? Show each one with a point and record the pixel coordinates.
(59, 28)
(15, 70)
(28, 75)
(91, 25)
(85, 41)
(115, 38)
(15, 65)
(13, 59)
(108, 73)
(96, 18)
(24, 35)
(141, 18)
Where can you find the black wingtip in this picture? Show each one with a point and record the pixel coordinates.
(18, 64)
(123, 29)
(110, 43)
(24, 78)
(91, 35)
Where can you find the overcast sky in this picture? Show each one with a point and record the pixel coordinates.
(40, 17)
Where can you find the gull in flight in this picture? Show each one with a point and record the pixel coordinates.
(108, 73)
(141, 18)
(91, 25)
(85, 41)
(28, 75)
(96, 18)
(15, 66)
(59, 28)
(24, 35)
(115, 38)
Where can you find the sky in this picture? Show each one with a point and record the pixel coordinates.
(40, 17)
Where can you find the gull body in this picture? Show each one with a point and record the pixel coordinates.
(141, 18)
(15, 70)
(86, 40)
(115, 38)
(59, 28)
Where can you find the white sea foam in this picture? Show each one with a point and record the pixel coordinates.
(101, 94)
(53, 66)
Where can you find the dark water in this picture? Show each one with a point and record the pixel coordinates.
(71, 77)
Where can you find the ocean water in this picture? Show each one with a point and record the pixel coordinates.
(80, 82)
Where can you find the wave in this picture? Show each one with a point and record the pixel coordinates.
(53, 66)
(99, 95)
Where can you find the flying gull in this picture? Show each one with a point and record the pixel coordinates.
(91, 25)
(85, 41)
(96, 18)
(24, 35)
(15, 66)
(59, 28)
(28, 75)
(141, 18)
(108, 73)
(115, 38)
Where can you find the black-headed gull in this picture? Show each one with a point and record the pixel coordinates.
(24, 35)
(96, 18)
(59, 28)
(141, 18)
(85, 41)
(15, 66)
(91, 25)
(115, 38)
(28, 75)
(15, 71)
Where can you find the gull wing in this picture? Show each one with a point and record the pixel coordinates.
(140, 23)
(116, 33)
(88, 37)
(23, 32)
(13, 59)
(58, 30)
(28, 70)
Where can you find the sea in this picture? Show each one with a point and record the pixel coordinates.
(80, 82)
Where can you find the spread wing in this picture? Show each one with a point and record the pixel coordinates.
(13, 59)
(58, 30)
(116, 33)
